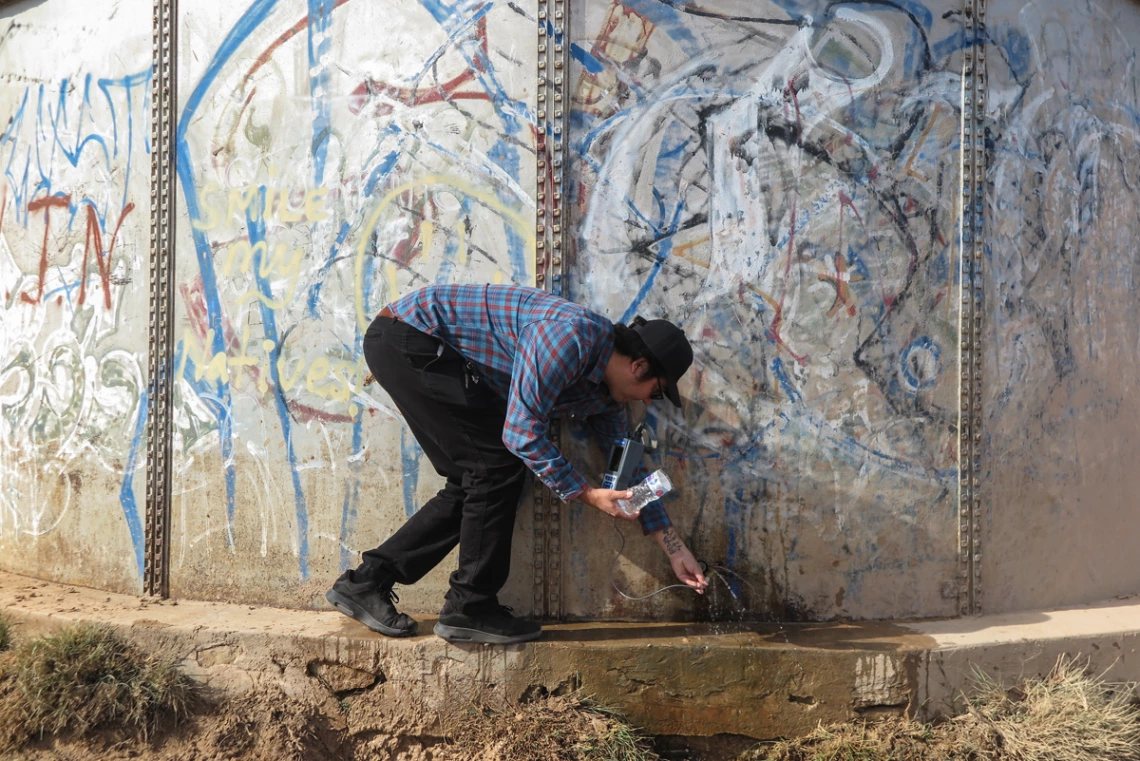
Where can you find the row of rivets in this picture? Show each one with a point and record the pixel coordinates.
(549, 274)
(160, 397)
(542, 495)
(972, 301)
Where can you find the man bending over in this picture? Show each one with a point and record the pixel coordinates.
(478, 371)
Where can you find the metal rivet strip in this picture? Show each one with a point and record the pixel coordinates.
(550, 225)
(973, 292)
(163, 190)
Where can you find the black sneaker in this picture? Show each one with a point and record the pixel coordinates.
(498, 627)
(373, 606)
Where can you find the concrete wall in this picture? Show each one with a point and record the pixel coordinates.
(1063, 210)
(781, 178)
(74, 279)
(786, 177)
(331, 157)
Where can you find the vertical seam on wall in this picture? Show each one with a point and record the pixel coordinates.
(159, 400)
(972, 247)
(551, 117)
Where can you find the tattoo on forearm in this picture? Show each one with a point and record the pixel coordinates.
(673, 543)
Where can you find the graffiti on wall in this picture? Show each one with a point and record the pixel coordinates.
(73, 263)
(1063, 197)
(1062, 313)
(312, 200)
(781, 179)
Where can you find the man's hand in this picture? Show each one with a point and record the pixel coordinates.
(685, 566)
(606, 501)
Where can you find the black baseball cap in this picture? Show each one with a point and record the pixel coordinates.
(669, 349)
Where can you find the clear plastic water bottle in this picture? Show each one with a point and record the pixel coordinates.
(654, 487)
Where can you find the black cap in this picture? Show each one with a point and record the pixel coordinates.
(669, 350)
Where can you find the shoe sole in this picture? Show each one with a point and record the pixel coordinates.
(459, 635)
(352, 610)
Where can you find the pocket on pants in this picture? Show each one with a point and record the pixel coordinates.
(453, 380)
(421, 351)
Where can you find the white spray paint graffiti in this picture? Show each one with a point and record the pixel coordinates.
(311, 202)
(784, 184)
(788, 197)
(73, 261)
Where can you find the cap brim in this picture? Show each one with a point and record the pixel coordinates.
(671, 394)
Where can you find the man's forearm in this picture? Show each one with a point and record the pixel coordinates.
(687, 567)
(669, 541)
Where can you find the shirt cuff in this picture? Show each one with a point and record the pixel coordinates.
(569, 488)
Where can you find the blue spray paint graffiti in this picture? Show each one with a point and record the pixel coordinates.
(468, 202)
(320, 44)
(127, 492)
(68, 150)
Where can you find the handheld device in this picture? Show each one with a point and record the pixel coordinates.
(623, 460)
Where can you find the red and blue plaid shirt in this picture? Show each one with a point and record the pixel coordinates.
(545, 355)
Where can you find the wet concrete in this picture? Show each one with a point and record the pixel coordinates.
(688, 680)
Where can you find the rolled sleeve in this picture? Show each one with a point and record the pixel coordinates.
(653, 518)
(549, 356)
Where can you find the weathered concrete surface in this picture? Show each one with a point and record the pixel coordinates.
(75, 84)
(325, 170)
(756, 680)
(1017, 645)
(790, 198)
(1062, 312)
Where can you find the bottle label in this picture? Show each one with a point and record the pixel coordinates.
(654, 484)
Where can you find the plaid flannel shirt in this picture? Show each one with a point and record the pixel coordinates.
(545, 356)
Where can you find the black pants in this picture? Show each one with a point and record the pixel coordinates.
(458, 422)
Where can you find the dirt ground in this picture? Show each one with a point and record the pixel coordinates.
(1060, 723)
(85, 693)
(271, 727)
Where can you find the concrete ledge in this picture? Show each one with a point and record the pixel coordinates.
(1014, 646)
(755, 680)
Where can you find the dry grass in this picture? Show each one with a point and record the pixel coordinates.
(1066, 716)
(889, 740)
(556, 728)
(83, 679)
(5, 633)
(619, 742)
(85, 687)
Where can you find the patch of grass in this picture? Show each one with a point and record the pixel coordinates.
(887, 740)
(86, 678)
(619, 741)
(5, 633)
(553, 728)
(1068, 715)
